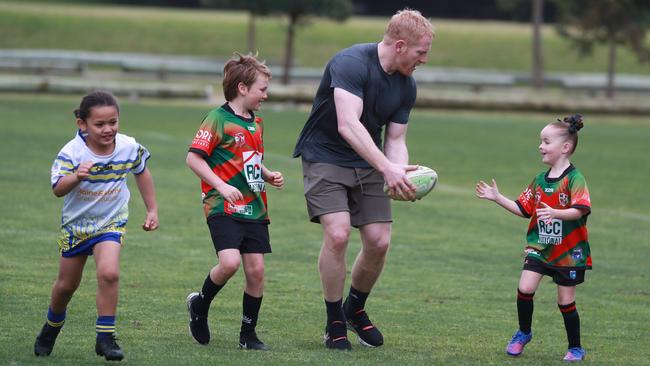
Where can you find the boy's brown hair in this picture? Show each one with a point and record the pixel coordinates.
(242, 69)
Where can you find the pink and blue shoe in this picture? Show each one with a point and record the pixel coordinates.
(575, 354)
(517, 343)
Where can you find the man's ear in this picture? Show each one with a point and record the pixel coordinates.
(400, 46)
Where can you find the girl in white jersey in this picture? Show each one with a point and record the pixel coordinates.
(90, 173)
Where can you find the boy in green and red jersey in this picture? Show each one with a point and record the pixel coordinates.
(226, 154)
(557, 203)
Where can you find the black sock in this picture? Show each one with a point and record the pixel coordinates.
(208, 292)
(251, 309)
(525, 310)
(334, 311)
(356, 301)
(571, 323)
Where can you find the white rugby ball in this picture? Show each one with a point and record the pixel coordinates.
(423, 178)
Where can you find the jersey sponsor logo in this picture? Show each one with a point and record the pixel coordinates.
(550, 232)
(564, 199)
(253, 170)
(549, 190)
(202, 138)
(100, 169)
(240, 139)
(239, 209)
(251, 128)
(526, 196)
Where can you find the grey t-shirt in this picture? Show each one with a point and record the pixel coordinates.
(386, 98)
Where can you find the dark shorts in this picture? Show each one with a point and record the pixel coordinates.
(360, 191)
(247, 237)
(86, 247)
(561, 276)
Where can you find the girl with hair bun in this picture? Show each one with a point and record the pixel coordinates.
(557, 203)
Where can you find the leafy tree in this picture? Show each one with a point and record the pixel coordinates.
(297, 12)
(537, 20)
(612, 22)
(255, 8)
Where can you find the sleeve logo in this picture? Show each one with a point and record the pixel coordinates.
(202, 139)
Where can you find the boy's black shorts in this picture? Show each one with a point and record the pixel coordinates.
(247, 237)
(561, 276)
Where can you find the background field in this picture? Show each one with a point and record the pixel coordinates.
(447, 293)
(216, 33)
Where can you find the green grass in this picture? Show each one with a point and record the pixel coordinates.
(446, 295)
(217, 33)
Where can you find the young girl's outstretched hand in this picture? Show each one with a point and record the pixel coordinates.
(486, 191)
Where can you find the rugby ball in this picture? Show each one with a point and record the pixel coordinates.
(423, 178)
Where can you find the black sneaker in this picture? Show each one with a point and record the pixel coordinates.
(367, 333)
(250, 341)
(107, 346)
(198, 323)
(336, 336)
(45, 340)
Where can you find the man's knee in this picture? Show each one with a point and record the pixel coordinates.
(377, 248)
(337, 240)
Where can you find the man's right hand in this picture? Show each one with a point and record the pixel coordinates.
(399, 186)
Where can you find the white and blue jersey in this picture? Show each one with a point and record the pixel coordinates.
(99, 203)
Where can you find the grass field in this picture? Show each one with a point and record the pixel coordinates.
(471, 44)
(447, 295)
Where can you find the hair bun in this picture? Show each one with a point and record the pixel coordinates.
(575, 122)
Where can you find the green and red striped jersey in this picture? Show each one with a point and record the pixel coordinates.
(558, 243)
(233, 148)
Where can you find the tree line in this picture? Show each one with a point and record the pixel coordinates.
(586, 23)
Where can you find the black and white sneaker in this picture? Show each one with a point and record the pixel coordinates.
(107, 346)
(336, 336)
(45, 340)
(250, 341)
(368, 335)
(198, 323)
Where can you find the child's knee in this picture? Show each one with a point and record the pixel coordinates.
(65, 288)
(229, 267)
(108, 276)
(255, 273)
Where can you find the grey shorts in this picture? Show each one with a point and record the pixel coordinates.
(360, 191)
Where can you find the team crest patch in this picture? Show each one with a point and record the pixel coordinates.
(538, 197)
(576, 254)
(564, 199)
(240, 139)
(572, 274)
